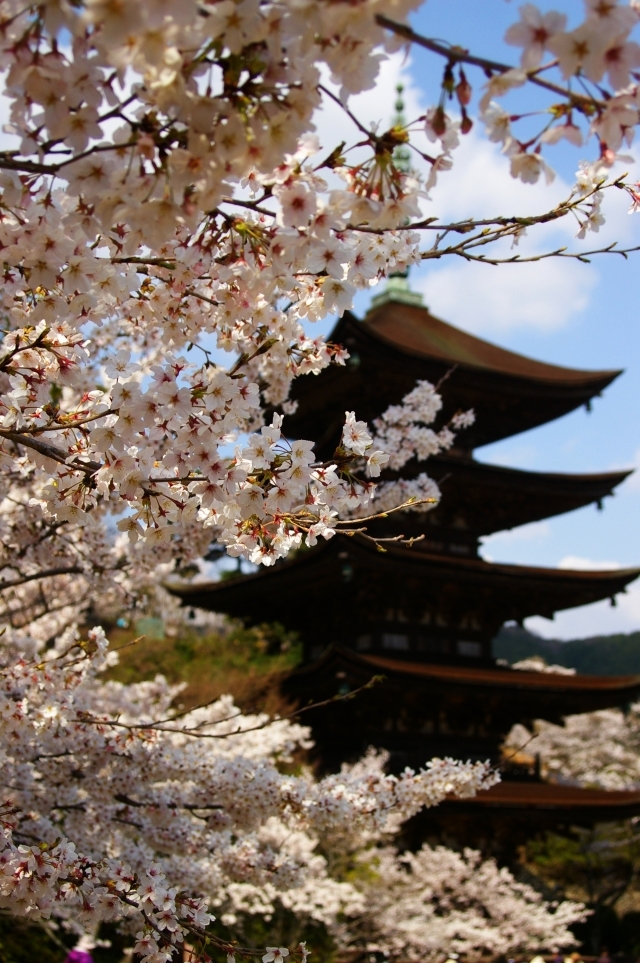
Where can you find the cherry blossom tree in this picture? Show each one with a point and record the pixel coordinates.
(370, 898)
(118, 806)
(599, 749)
(417, 904)
(166, 199)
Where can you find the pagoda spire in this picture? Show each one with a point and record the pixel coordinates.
(397, 287)
(401, 154)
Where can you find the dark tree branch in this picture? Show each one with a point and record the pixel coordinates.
(456, 54)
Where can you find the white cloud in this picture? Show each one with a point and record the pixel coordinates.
(543, 295)
(534, 531)
(480, 298)
(601, 618)
(486, 300)
(480, 184)
(580, 564)
(483, 298)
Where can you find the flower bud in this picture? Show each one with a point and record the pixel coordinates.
(463, 90)
(466, 124)
(439, 121)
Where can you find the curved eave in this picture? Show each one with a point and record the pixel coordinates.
(486, 498)
(620, 688)
(281, 592)
(510, 393)
(415, 331)
(510, 695)
(573, 800)
(583, 487)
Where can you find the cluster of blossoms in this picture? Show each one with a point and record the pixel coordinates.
(418, 903)
(166, 201)
(117, 806)
(403, 431)
(598, 749)
(404, 905)
(174, 207)
(605, 60)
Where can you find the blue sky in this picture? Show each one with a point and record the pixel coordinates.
(562, 312)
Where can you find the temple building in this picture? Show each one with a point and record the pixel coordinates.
(423, 617)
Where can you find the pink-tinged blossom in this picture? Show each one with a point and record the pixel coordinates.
(500, 84)
(337, 295)
(581, 49)
(612, 17)
(567, 131)
(161, 271)
(298, 205)
(417, 903)
(528, 166)
(533, 31)
(148, 783)
(275, 954)
(498, 125)
(355, 434)
(622, 56)
(594, 749)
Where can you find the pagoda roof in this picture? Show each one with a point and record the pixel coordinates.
(414, 329)
(510, 812)
(507, 815)
(401, 576)
(417, 711)
(524, 688)
(481, 499)
(398, 344)
(613, 687)
(546, 795)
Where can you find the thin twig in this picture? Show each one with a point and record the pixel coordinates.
(195, 732)
(456, 54)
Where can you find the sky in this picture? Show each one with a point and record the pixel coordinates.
(564, 312)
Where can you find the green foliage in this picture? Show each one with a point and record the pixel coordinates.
(283, 928)
(24, 942)
(600, 867)
(596, 865)
(244, 662)
(599, 655)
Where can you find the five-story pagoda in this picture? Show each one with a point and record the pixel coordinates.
(425, 615)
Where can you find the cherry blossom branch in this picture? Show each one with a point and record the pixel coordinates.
(501, 221)
(49, 451)
(456, 54)
(370, 135)
(409, 503)
(10, 161)
(195, 731)
(45, 573)
(559, 252)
